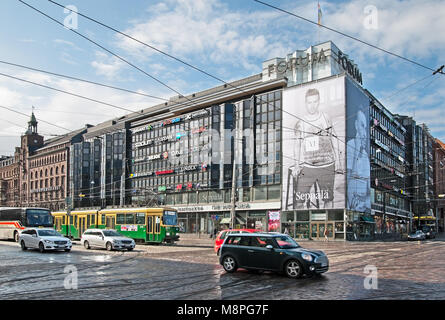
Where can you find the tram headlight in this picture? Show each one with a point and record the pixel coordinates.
(168, 233)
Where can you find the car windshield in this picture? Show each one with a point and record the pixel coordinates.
(286, 242)
(49, 233)
(111, 233)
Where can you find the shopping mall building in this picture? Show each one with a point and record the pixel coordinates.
(309, 147)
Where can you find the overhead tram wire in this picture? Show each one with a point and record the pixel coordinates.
(108, 51)
(140, 42)
(212, 76)
(22, 126)
(164, 53)
(177, 59)
(353, 38)
(27, 115)
(67, 92)
(81, 80)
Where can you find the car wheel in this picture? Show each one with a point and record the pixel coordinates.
(86, 244)
(229, 264)
(41, 247)
(109, 246)
(22, 244)
(293, 269)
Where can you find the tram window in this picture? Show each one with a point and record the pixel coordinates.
(120, 218)
(88, 220)
(129, 218)
(149, 224)
(140, 218)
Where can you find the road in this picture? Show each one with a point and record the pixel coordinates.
(405, 270)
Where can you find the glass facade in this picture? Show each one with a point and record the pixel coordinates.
(97, 171)
(188, 160)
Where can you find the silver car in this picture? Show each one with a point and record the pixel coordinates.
(418, 235)
(43, 239)
(106, 238)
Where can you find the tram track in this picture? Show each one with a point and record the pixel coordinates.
(110, 284)
(274, 286)
(79, 269)
(165, 283)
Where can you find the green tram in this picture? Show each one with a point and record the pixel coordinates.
(150, 225)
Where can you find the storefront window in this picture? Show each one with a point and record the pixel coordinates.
(301, 230)
(288, 228)
(378, 224)
(258, 222)
(390, 225)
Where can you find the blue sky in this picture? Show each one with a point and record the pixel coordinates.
(228, 39)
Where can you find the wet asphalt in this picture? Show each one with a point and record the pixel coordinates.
(403, 270)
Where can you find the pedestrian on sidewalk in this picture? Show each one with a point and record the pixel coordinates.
(326, 234)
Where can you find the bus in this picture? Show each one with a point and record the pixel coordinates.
(14, 220)
(148, 225)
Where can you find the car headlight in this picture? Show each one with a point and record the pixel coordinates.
(307, 257)
(47, 241)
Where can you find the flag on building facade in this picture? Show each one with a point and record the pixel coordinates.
(319, 14)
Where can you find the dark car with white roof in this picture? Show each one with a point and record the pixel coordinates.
(272, 252)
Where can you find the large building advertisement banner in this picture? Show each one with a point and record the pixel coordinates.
(358, 150)
(314, 145)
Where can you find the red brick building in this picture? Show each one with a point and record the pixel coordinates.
(36, 176)
(9, 180)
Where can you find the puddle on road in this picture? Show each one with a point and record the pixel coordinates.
(98, 258)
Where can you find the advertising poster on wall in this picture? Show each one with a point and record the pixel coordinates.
(357, 150)
(314, 146)
(274, 221)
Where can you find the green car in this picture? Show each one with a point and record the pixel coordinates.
(271, 252)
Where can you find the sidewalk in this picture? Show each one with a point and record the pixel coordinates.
(204, 241)
(195, 240)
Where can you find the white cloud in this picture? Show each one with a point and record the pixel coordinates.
(107, 66)
(204, 30)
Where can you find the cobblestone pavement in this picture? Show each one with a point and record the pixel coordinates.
(406, 270)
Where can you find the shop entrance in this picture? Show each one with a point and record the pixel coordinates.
(318, 228)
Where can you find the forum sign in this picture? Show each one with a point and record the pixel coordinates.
(316, 62)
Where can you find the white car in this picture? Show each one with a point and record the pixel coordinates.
(106, 238)
(43, 239)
